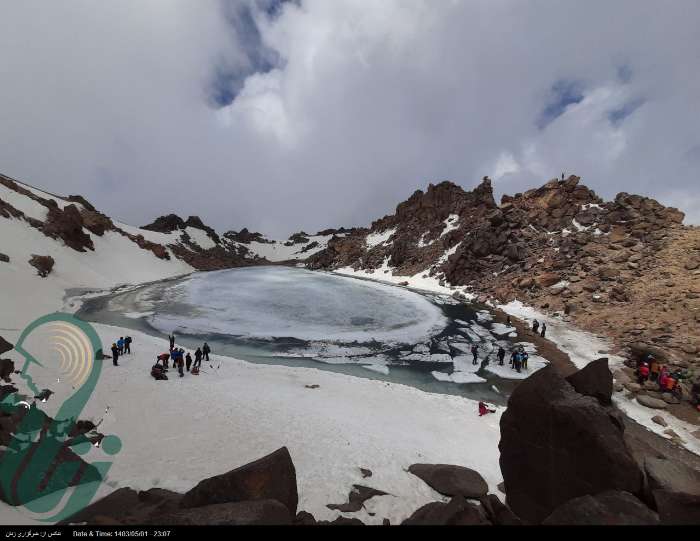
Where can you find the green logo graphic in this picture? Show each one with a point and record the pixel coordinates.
(41, 468)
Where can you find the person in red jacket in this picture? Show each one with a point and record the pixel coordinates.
(643, 373)
(483, 409)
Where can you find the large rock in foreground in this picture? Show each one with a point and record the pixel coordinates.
(457, 512)
(606, 509)
(272, 477)
(595, 380)
(258, 512)
(557, 444)
(451, 480)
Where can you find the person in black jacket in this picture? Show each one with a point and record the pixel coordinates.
(501, 355)
(172, 340)
(206, 351)
(475, 353)
(127, 345)
(197, 358)
(544, 329)
(535, 326)
(188, 361)
(115, 354)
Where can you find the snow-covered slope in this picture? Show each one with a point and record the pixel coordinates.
(115, 260)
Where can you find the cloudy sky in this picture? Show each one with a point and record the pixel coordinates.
(305, 114)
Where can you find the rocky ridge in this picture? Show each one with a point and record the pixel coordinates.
(627, 269)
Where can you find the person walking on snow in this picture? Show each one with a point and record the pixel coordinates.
(501, 355)
(188, 361)
(127, 345)
(544, 329)
(535, 326)
(172, 340)
(115, 355)
(475, 353)
(206, 351)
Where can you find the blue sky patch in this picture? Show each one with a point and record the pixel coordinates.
(617, 116)
(562, 94)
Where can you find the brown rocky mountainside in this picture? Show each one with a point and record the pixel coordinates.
(626, 268)
(74, 224)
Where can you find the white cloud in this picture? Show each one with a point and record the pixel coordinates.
(373, 100)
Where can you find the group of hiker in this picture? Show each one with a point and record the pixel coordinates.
(536, 328)
(518, 357)
(181, 360)
(650, 369)
(119, 348)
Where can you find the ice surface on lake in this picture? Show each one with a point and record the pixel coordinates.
(288, 302)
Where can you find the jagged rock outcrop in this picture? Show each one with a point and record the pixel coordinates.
(67, 225)
(557, 444)
(246, 237)
(165, 224)
(43, 264)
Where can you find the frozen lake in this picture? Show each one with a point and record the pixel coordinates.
(295, 317)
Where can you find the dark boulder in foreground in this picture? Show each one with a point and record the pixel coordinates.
(113, 506)
(255, 512)
(457, 512)
(677, 508)
(272, 477)
(595, 380)
(451, 480)
(557, 444)
(605, 509)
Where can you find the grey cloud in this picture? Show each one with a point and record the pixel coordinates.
(369, 101)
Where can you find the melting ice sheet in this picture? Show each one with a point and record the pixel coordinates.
(269, 302)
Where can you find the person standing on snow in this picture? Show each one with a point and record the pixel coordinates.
(172, 341)
(115, 355)
(475, 353)
(180, 364)
(206, 351)
(120, 345)
(188, 361)
(197, 358)
(535, 326)
(501, 355)
(127, 345)
(544, 329)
